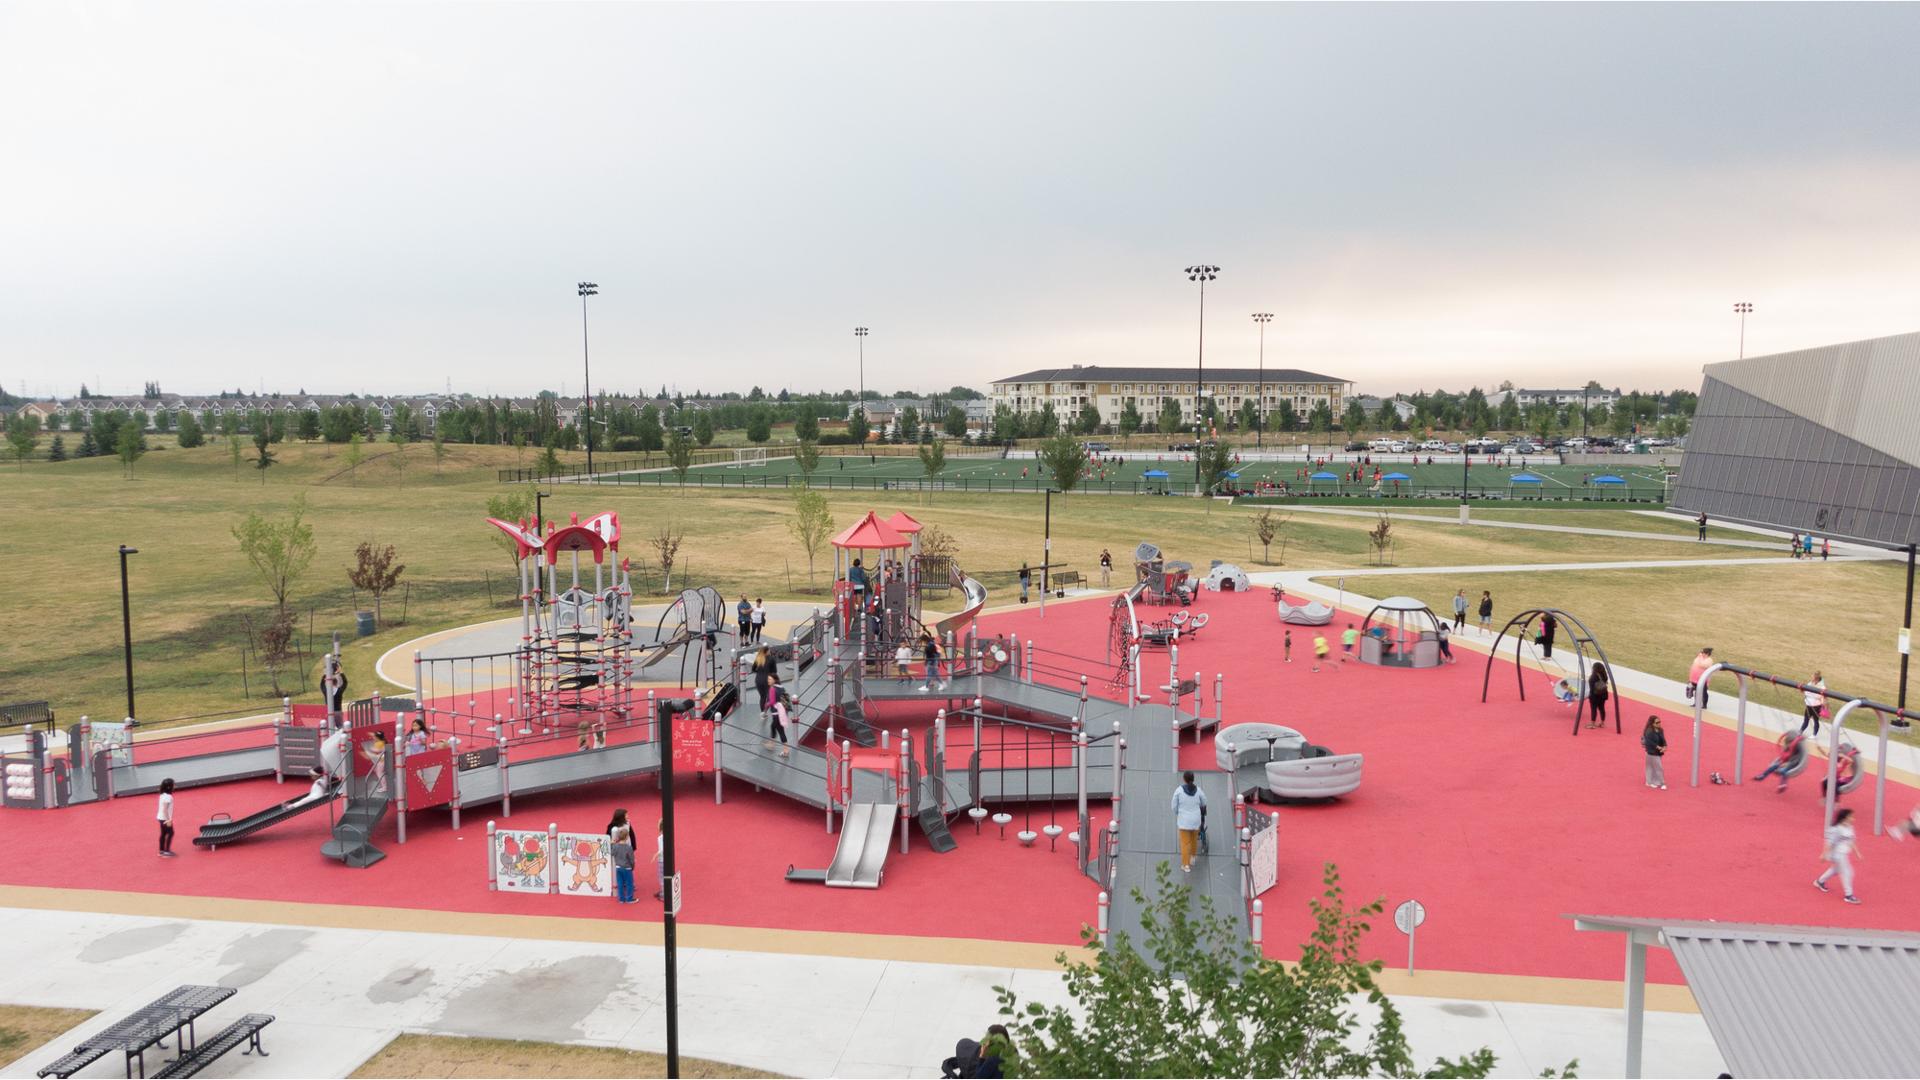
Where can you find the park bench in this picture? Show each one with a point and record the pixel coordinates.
(244, 1030)
(1062, 580)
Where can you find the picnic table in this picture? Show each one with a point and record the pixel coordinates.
(173, 1013)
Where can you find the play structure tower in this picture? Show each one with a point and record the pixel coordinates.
(576, 643)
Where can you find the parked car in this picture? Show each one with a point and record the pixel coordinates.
(1097, 448)
(1450, 448)
(1399, 447)
(1434, 445)
(1183, 447)
(1356, 447)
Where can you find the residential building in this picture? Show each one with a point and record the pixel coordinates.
(1524, 398)
(1111, 389)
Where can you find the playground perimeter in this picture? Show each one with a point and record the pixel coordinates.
(1492, 815)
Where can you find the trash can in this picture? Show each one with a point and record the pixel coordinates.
(365, 619)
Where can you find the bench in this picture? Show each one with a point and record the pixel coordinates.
(1062, 580)
(244, 1030)
(173, 1013)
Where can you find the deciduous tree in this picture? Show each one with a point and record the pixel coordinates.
(278, 549)
(811, 525)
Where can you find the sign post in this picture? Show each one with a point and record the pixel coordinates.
(1407, 918)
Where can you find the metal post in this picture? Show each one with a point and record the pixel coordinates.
(1103, 902)
(906, 786)
(1259, 922)
(1219, 702)
(1880, 782)
(1699, 710)
(493, 883)
(1080, 783)
(126, 629)
(1906, 638)
(670, 893)
(1833, 759)
(1636, 1002)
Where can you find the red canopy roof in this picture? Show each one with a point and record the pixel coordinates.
(903, 523)
(871, 533)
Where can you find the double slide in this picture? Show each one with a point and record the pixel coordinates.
(860, 861)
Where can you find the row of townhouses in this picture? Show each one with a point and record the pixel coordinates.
(1111, 389)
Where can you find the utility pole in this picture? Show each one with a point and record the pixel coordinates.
(670, 883)
(1201, 273)
(1260, 403)
(126, 627)
(586, 289)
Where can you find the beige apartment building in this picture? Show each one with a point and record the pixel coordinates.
(1110, 389)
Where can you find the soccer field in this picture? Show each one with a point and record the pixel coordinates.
(1151, 472)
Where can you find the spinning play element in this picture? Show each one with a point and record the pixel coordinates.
(1311, 613)
(1271, 762)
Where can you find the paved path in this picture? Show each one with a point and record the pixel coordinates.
(1581, 530)
(340, 994)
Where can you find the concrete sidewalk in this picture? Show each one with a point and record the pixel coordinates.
(339, 995)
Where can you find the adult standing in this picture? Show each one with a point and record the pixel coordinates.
(1486, 611)
(743, 615)
(762, 672)
(333, 686)
(1460, 610)
(1549, 626)
(1839, 854)
(1597, 693)
(1653, 739)
(1814, 699)
(759, 618)
(1695, 688)
(1701, 521)
(1189, 817)
(164, 814)
(1106, 567)
(930, 651)
(1026, 579)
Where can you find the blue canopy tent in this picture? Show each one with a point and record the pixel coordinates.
(1153, 475)
(1610, 480)
(1523, 478)
(1314, 481)
(1395, 478)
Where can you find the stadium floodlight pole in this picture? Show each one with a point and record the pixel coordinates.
(1201, 273)
(587, 288)
(127, 629)
(1743, 309)
(860, 335)
(1260, 403)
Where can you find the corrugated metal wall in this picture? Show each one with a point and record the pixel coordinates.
(1869, 390)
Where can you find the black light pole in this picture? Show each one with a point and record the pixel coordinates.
(1046, 548)
(1201, 273)
(670, 887)
(1906, 637)
(538, 497)
(1260, 403)
(587, 288)
(860, 335)
(1743, 309)
(127, 627)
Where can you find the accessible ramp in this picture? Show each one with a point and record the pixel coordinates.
(860, 860)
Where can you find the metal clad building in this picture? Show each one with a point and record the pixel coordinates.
(1826, 440)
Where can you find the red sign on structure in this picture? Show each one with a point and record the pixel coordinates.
(309, 715)
(429, 778)
(692, 743)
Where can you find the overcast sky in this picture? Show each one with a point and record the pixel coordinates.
(388, 197)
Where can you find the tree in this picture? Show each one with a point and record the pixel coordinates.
(23, 435)
(1289, 419)
(191, 434)
(666, 546)
(933, 459)
(375, 570)
(806, 426)
(550, 459)
(1387, 417)
(857, 427)
(308, 427)
(1130, 419)
(1088, 421)
(87, 447)
(1249, 416)
(513, 507)
(58, 451)
(131, 443)
(1542, 418)
(1169, 416)
(1355, 420)
(648, 428)
(1215, 460)
(956, 424)
(1048, 422)
(1320, 419)
(263, 459)
(1380, 540)
(1266, 526)
(1065, 459)
(759, 424)
(679, 454)
(398, 437)
(162, 420)
(279, 550)
(703, 427)
(807, 457)
(1197, 998)
(354, 454)
(812, 523)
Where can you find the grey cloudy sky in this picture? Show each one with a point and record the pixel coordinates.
(386, 197)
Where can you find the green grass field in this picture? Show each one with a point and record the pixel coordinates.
(194, 598)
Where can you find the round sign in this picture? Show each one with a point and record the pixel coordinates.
(1409, 915)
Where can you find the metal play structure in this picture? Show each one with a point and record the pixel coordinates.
(1583, 643)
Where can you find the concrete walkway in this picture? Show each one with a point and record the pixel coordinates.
(339, 995)
(1582, 530)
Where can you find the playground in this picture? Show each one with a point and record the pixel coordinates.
(1493, 815)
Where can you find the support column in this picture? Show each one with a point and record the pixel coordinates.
(1636, 1003)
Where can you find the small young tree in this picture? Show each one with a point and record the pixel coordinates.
(1380, 540)
(703, 427)
(512, 506)
(1197, 998)
(1215, 460)
(1169, 416)
(807, 457)
(375, 570)
(812, 523)
(806, 426)
(263, 452)
(858, 429)
(88, 448)
(933, 459)
(279, 550)
(58, 451)
(1266, 526)
(191, 434)
(399, 438)
(308, 428)
(1065, 460)
(666, 547)
(23, 435)
(550, 460)
(439, 452)
(354, 455)
(679, 454)
(131, 444)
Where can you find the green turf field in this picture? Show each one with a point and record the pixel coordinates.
(1130, 474)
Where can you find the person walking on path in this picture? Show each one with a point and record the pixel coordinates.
(763, 667)
(1460, 610)
(164, 814)
(777, 716)
(1189, 817)
(1548, 627)
(1839, 854)
(1486, 611)
(1815, 702)
(1793, 545)
(930, 652)
(1597, 693)
(1826, 548)
(1440, 639)
(759, 618)
(1701, 521)
(1695, 688)
(1026, 579)
(1653, 739)
(743, 612)
(1806, 545)
(1106, 567)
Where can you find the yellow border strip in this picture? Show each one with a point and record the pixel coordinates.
(1475, 986)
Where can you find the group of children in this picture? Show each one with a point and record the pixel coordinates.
(620, 835)
(1800, 546)
(1350, 637)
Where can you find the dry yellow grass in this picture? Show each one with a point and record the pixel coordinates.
(453, 1056)
(25, 1027)
(1789, 619)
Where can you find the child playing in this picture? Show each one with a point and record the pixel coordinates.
(1839, 855)
(1347, 638)
(903, 660)
(623, 863)
(1287, 648)
(1320, 650)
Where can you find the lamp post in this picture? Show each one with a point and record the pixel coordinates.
(539, 497)
(1743, 309)
(1260, 403)
(860, 336)
(587, 288)
(126, 627)
(1201, 273)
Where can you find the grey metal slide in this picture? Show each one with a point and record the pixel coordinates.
(860, 860)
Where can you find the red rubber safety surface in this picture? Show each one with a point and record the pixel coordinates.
(1494, 816)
